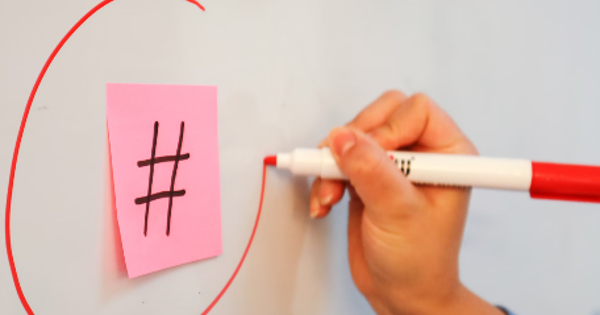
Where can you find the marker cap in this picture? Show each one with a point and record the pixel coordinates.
(565, 182)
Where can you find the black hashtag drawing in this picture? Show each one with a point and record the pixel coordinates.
(164, 194)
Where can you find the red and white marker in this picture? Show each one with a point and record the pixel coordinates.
(542, 180)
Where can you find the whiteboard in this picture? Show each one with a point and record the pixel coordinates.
(519, 77)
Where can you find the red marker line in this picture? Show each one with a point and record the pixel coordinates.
(239, 266)
(197, 4)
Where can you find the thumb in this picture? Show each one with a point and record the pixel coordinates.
(375, 177)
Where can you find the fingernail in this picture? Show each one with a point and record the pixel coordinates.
(314, 208)
(325, 200)
(341, 140)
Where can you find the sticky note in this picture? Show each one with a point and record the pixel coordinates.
(165, 164)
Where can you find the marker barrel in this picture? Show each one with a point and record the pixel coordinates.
(542, 180)
(423, 168)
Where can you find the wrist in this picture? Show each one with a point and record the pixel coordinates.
(456, 301)
(466, 302)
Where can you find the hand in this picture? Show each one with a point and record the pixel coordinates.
(403, 239)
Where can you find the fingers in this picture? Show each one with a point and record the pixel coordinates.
(375, 114)
(371, 172)
(378, 112)
(331, 192)
(421, 123)
(372, 116)
(324, 194)
(392, 121)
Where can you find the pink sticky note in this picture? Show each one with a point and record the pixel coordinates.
(180, 123)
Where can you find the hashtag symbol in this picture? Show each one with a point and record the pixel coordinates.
(164, 194)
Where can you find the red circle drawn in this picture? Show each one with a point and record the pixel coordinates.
(9, 253)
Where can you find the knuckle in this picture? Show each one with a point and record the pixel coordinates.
(421, 100)
(392, 127)
(395, 95)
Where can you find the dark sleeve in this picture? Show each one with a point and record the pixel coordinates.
(507, 312)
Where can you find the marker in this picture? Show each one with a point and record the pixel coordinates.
(542, 180)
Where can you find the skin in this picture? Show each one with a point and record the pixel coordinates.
(404, 240)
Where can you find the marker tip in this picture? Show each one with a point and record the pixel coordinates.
(271, 160)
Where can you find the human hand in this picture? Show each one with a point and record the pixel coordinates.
(404, 240)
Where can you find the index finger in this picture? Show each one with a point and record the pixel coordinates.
(378, 112)
(375, 114)
(420, 123)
